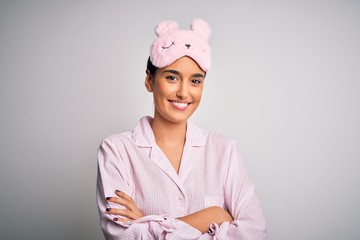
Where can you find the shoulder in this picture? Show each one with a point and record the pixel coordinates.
(140, 135)
(220, 150)
(220, 144)
(218, 138)
(116, 139)
(211, 139)
(215, 138)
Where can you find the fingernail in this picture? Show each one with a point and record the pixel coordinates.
(108, 209)
(117, 191)
(108, 198)
(115, 219)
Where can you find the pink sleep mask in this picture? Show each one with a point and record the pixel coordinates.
(173, 43)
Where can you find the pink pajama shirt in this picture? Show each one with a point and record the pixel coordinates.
(211, 174)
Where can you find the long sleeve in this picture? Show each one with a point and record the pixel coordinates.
(113, 173)
(242, 203)
(211, 174)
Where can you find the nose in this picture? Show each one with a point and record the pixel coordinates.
(187, 46)
(183, 90)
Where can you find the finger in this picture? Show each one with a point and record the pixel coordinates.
(122, 219)
(122, 202)
(124, 195)
(122, 212)
(130, 204)
(118, 200)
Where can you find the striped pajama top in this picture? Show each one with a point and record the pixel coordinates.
(211, 173)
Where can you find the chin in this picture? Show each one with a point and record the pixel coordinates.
(175, 116)
(178, 120)
(178, 117)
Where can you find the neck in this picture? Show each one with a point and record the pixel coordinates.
(168, 133)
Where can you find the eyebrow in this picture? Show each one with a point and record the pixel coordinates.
(172, 71)
(199, 75)
(178, 73)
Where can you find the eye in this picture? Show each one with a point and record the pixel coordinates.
(171, 78)
(166, 47)
(196, 81)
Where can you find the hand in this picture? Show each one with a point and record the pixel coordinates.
(131, 211)
(202, 219)
(221, 215)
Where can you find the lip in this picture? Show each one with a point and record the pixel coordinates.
(180, 105)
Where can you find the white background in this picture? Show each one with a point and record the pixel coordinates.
(284, 84)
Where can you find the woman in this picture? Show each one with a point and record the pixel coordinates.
(167, 178)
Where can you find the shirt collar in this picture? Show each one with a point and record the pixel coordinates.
(194, 135)
(143, 135)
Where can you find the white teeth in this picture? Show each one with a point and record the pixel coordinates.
(180, 104)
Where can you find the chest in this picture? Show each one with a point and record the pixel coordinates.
(160, 189)
(173, 154)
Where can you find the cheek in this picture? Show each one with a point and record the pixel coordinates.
(166, 90)
(160, 93)
(198, 94)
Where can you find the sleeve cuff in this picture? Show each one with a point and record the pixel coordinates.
(166, 225)
(219, 231)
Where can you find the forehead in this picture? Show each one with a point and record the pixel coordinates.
(184, 65)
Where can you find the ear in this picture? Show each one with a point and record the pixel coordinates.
(148, 81)
(165, 27)
(201, 27)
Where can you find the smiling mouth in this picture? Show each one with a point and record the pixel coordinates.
(180, 105)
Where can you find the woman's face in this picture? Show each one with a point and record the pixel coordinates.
(177, 90)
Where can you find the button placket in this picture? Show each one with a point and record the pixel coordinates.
(182, 200)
